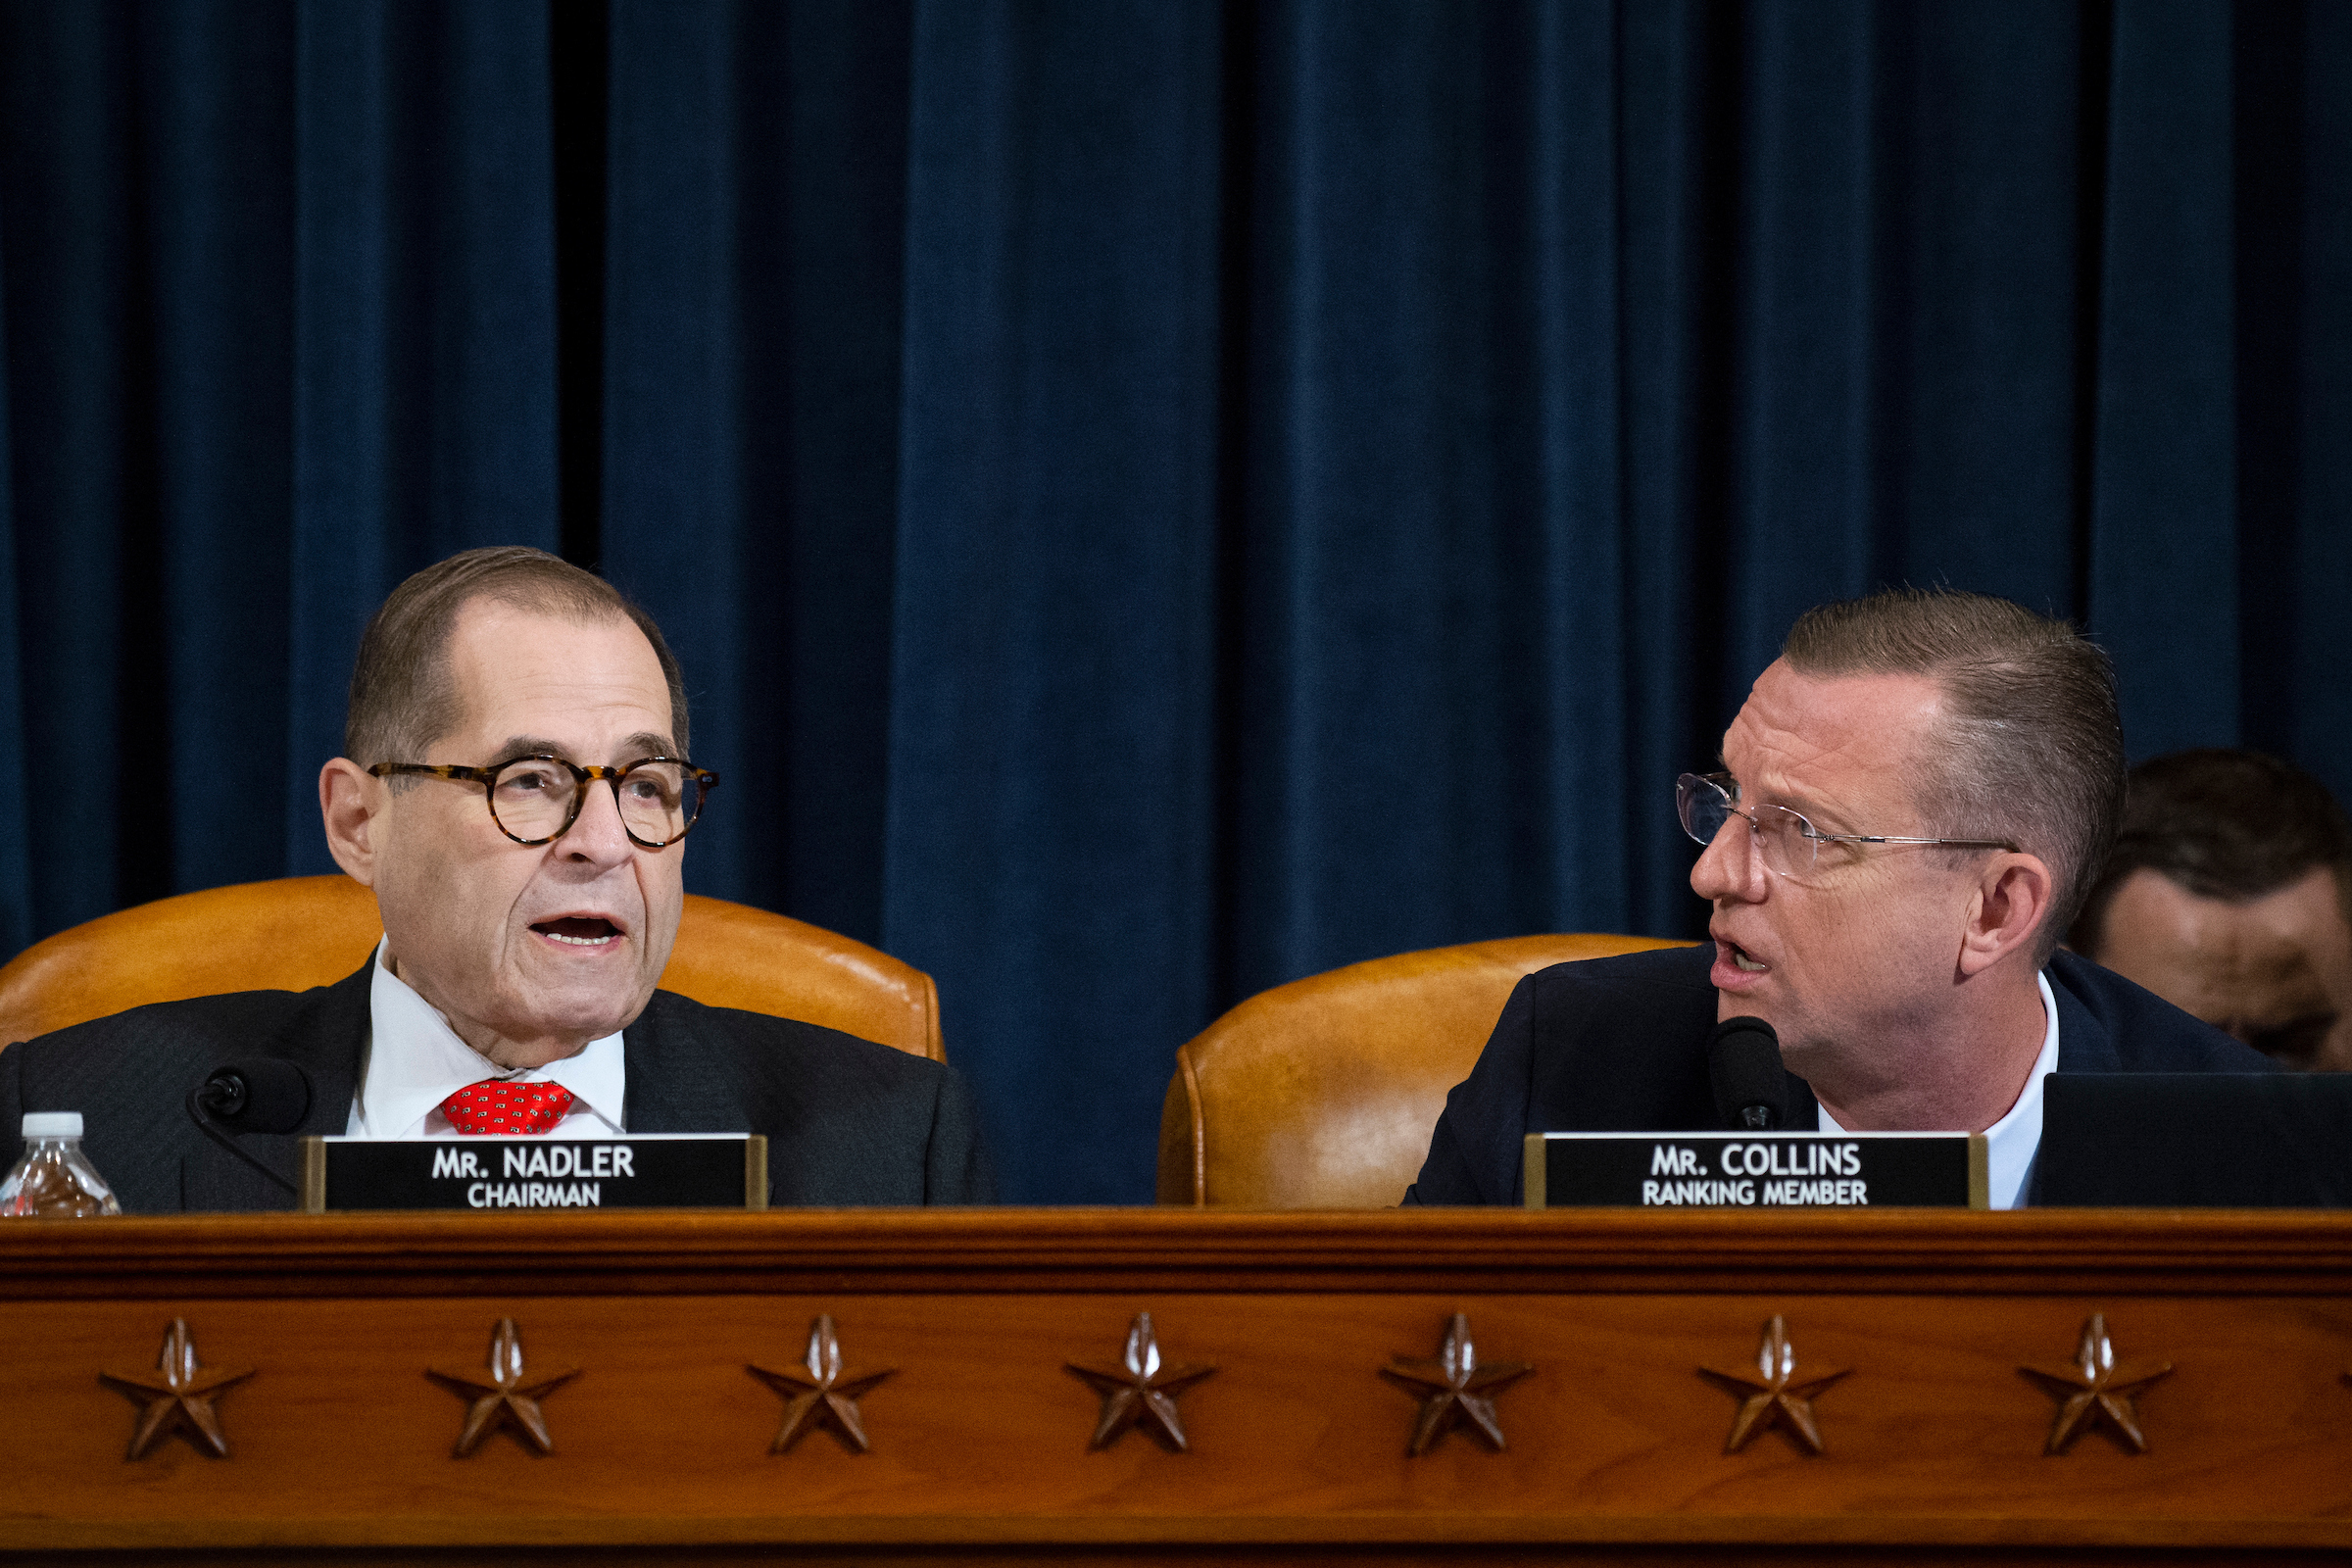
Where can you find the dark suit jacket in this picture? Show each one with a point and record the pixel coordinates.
(1620, 1045)
(848, 1121)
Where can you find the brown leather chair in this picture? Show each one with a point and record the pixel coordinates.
(309, 931)
(1321, 1093)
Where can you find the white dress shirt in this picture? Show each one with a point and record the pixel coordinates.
(2011, 1143)
(414, 1060)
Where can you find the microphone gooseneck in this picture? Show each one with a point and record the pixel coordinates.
(1743, 1067)
(266, 1095)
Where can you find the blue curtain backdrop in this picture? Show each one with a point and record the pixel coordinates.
(1155, 499)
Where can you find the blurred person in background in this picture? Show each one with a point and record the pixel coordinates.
(2226, 895)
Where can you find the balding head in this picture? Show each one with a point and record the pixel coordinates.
(404, 695)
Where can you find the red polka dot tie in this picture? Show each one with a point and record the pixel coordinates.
(498, 1105)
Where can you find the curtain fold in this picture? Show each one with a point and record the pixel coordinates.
(1154, 499)
(16, 826)
(751, 349)
(423, 322)
(2165, 512)
(1053, 744)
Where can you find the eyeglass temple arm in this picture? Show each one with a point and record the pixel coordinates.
(1884, 838)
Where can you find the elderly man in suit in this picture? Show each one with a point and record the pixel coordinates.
(514, 789)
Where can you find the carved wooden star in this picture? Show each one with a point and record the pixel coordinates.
(1453, 1387)
(823, 1397)
(506, 1396)
(1138, 1391)
(2094, 1389)
(1777, 1396)
(177, 1395)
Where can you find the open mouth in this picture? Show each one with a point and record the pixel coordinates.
(1742, 960)
(578, 930)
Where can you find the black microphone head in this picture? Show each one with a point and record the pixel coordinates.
(266, 1095)
(1743, 1063)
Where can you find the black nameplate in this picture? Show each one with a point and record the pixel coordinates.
(1755, 1170)
(493, 1175)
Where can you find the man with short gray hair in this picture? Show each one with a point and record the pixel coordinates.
(1914, 801)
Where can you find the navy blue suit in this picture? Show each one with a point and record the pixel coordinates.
(1620, 1045)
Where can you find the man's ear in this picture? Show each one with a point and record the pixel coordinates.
(353, 803)
(2012, 900)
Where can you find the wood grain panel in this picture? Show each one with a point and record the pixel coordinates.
(2213, 1251)
(1933, 1443)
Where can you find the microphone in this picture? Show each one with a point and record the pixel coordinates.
(266, 1095)
(1743, 1065)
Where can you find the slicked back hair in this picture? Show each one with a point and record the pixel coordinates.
(404, 696)
(2031, 749)
(2224, 824)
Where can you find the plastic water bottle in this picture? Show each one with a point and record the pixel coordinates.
(55, 1179)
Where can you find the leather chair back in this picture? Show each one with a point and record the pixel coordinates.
(1322, 1094)
(305, 931)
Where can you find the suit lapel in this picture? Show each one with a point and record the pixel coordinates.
(330, 1050)
(2084, 1044)
(683, 1077)
(647, 1105)
(678, 1079)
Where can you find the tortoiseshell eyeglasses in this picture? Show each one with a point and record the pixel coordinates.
(535, 799)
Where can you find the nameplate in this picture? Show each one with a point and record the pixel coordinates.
(493, 1175)
(1755, 1170)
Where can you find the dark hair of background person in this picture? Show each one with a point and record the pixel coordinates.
(404, 697)
(2224, 824)
(2031, 748)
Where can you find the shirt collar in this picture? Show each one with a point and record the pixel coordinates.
(2011, 1143)
(415, 1060)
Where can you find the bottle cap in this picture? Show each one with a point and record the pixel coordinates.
(52, 1124)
